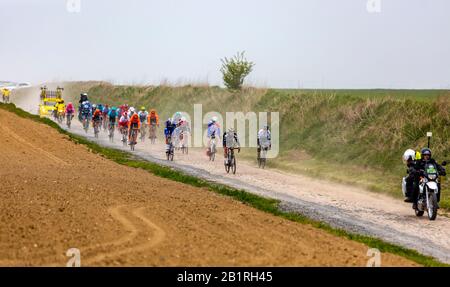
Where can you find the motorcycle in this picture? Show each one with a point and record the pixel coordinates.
(429, 189)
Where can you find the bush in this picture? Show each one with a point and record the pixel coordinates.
(235, 70)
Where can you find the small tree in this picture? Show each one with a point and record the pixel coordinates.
(235, 70)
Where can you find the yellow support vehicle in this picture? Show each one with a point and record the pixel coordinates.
(48, 100)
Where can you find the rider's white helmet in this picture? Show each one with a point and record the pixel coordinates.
(214, 119)
(409, 155)
(131, 110)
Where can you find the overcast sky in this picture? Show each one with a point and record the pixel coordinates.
(294, 43)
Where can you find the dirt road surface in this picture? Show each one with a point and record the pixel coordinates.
(57, 195)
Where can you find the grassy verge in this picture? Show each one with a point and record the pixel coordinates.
(264, 204)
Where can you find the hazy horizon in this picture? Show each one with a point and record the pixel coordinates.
(315, 44)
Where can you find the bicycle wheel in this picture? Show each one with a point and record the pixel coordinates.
(227, 165)
(233, 165)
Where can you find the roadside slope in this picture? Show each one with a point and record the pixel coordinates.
(57, 195)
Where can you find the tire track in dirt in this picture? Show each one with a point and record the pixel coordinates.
(139, 225)
(135, 228)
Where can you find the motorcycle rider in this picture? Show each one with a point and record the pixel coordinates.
(417, 170)
(230, 140)
(409, 158)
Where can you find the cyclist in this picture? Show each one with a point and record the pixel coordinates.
(133, 123)
(83, 98)
(131, 111)
(152, 123)
(212, 132)
(264, 139)
(85, 111)
(61, 108)
(121, 110)
(143, 115)
(168, 131)
(70, 110)
(6, 93)
(153, 118)
(97, 118)
(105, 112)
(123, 122)
(112, 115)
(94, 107)
(230, 140)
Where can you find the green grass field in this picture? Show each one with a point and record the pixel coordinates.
(350, 136)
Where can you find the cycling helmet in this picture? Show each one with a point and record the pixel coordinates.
(132, 110)
(152, 111)
(425, 151)
(94, 106)
(143, 108)
(214, 119)
(409, 155)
